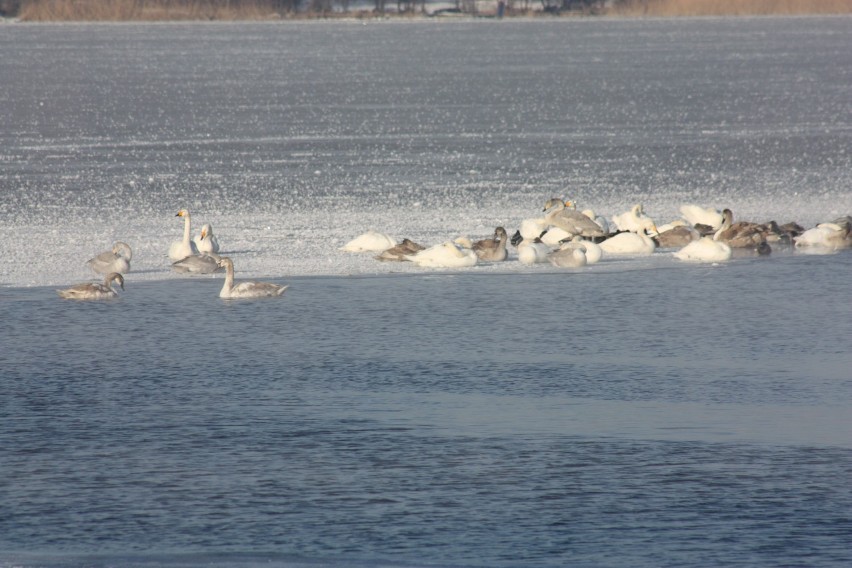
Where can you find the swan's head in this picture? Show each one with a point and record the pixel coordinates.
(500, 234)
(206, 230)
(463, 242)
(182, 213)
(553, 202)
(570, 204)
(224, 262)
(117, 277)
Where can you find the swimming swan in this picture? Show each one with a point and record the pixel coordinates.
(444, 255)
(183, 248)
(115, 260)
(206, 241)
(92, 291)
(204, 263)
(494, 249)
(371, 241)
(557, 214)
(249, 289)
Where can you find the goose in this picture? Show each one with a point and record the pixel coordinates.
(697, 215)
(115, 260)
(629, 243)
(533, 251)
(557, 214)
(634, 221)
(706, 249)
(248, 289)
(183, 248)
(92, 291)
(371, 241)
(493, 249)
(568, 256)
(206, 241)
(445, 255)
(203, 263)
(398, 252)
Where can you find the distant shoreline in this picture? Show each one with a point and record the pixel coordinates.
(273, 10)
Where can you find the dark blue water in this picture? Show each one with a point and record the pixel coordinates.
(664, 417)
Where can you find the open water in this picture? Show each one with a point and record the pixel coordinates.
(636, 412)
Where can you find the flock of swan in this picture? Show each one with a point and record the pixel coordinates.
(568, 238)
(199, 255)
(563, 236)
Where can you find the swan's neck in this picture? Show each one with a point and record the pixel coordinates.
(726, 224)
(229, 278)
(186, 230)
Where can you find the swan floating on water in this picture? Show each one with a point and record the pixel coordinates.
(371, 241)
(183, 248)
(206, 241)
(115, 260)
(203, 263)
(248, 289)
(445, 255)
(93, 291)
(494, 249)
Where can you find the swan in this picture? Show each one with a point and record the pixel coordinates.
(629, 243)
(557, 214)
(537, 228)
(697, 215)
(708, 249)
(371, 241)
(592, 250)
(248, 289)
(398, 252)
(634, 220)
(828, 236)
(568, 256)
(183, 248)
(533, 251)
(494, 249)
(115, 260)
(206, 241)
(92, 291)
(445, 255)
(203, 263)
(676, 236)
(598, 219)
(742, 234)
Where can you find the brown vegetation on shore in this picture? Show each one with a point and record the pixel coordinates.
(164, 10)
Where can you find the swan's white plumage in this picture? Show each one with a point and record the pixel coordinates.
(827, 236)
(705, 249)
(93, 291)
(184, 247)
(592, 250)
(115, 260)
(206, 241)
(248, 289)
(371, 241)
(697, 215)
(628, 243)
(634, 220)
(444, 255)
(568, 256)
(533, 251)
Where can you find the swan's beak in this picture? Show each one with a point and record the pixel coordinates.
(203, 234)
(179, 214)
(567, 204)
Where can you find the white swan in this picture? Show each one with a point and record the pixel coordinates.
(697, 215)
(629, 243)
(568, 256)
(183, 248)
(92, 291)
(533, 251)
(248, 289)
(558, 214)
(444, 255)
(708, 249)
(371, 241)
(494, 249)
(635, 221)
(115, 260)
(203, 263)
(593, 251)
(826, 236)
(206, 241)
(531, 229)
(598, 219)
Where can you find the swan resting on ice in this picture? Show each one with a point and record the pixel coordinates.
(206, 241)
(371, 241)
(445, 255)
(93, 291)
(248, 289)
(115, 260)
(185, 247)
(494, 249)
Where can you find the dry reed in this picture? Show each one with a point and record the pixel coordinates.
(146, 10)
(674, 8)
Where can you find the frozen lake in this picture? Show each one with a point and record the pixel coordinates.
(636, 412)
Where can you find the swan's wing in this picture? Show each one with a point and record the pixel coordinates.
(257, 289)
